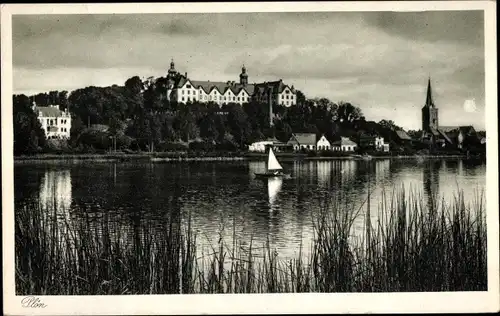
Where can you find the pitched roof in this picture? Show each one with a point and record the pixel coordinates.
(402, 135)
(434, 131)
(304, 138)
(49, 111)
(447, 129)
(445, 136)
(277, 86)
(222, 87)
(464, 128)
(344, 141)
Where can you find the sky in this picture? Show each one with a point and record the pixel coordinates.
(378, 61)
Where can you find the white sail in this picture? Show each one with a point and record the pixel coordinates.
(272, 162)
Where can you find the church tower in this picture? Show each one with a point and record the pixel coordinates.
(429, 112)
(172, 73)
(243, 76)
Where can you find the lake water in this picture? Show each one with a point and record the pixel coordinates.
(224, 199)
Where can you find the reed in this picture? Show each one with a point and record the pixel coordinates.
(407, 244)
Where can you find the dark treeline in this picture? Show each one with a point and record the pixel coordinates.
(138, 117)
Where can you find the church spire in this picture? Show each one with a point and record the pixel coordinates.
(428, 101)
(243, 76)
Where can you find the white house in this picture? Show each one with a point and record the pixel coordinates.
(260, 146)
(323, 144)
(55, 123)
(380, 145)
(344, 144)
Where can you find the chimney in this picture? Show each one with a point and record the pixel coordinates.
(186, 74)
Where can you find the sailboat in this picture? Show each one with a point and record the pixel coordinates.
(273, 167)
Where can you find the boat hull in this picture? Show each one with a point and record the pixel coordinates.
(270, 175)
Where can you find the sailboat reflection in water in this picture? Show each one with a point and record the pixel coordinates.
(273, 188)
(273, 167)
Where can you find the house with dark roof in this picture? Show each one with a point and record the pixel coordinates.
(183, 90)
(55, 122)
(301, 141)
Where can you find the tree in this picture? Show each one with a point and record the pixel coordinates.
(389, 124)
(29, 137)
(348, 113)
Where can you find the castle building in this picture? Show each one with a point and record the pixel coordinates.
(55, 122)
(182, 89)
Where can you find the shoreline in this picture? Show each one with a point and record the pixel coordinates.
(180, 157)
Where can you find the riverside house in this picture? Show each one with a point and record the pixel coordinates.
(55, 122)
(375, 142)
(323, 144)
(299, 141)
(344, 144)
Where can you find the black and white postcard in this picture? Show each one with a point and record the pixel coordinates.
(201, 158)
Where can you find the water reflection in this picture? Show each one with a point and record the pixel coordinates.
(324, 172)
(256, 167)
(55, 190)
(431, 181)
(273, 188)
(219, 195)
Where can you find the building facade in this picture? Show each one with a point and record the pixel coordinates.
(344, 144)
(55, 122)
(182, 89)
(323, 144)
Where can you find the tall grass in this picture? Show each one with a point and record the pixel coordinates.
(410, 245)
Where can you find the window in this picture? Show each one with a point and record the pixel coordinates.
(194, 92)
(287, 92)
(182, 98)
(238, 98)
(189, 91)
(182, 91)
(188, 86)
(234, 98)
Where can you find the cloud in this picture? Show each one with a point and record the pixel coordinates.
(378, 60)
(465, 27)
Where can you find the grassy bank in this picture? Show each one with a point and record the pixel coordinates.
(200, 156)
(413, 246)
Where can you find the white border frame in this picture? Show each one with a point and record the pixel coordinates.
(255, 303)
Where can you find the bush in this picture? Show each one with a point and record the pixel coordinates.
(171, 146)
(202, 146)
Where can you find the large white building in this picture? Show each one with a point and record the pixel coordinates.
(55, 122)
(183, 90)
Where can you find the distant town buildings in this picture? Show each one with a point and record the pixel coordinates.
(55, 122)
(183, 90)
(441, 136)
